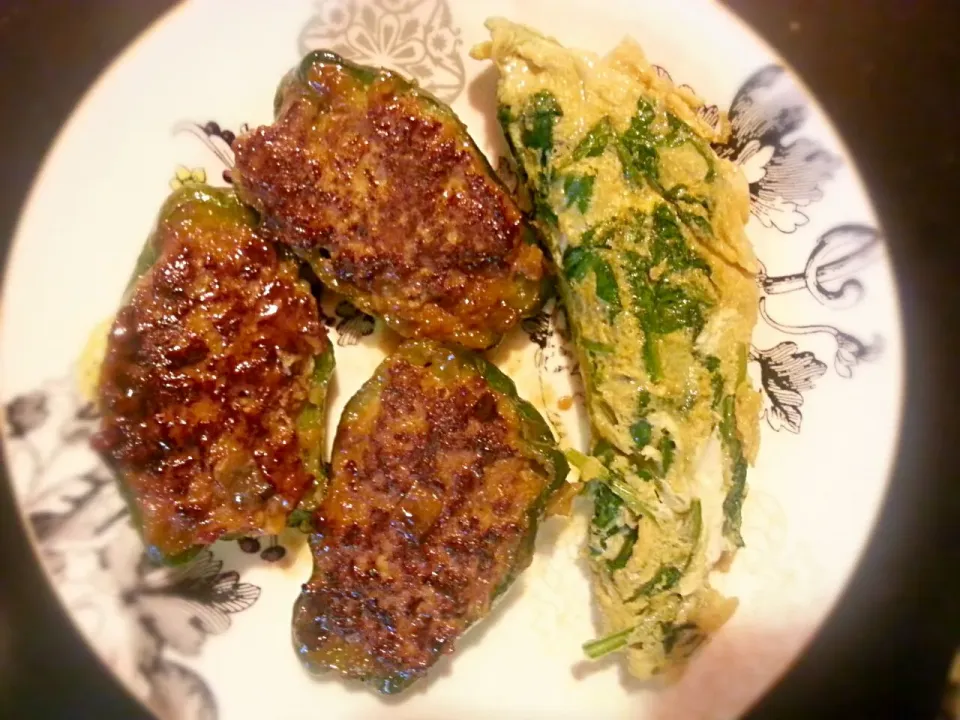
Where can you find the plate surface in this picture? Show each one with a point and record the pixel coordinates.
(212, 640)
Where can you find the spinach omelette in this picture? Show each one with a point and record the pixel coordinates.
(645, 225)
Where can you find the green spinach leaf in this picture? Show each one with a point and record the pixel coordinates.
(595, 141)
(543, 211)
(536, 125)
(643, 401)
(733, 502)
(668, 244)
(626, 550)
(578, 189)
(716, 382)
(667, 449)
(595, 346)
(641, 432)
(699, 224)
(680, 133)
(608, 643)
(607, 289)
(541, 194)
(603, 451)
(606, 505)
(681, 194)
(639, 158)
(675, 309)
(651, 356)
(637, 147)
(579, 260)
(664, 579)
(645, 113)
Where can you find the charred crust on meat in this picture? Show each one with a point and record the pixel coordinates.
(379, 186)
(214, 354)
(439, 479)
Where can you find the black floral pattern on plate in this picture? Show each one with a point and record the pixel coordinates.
(26, 413)
(273, 552)
(217, 139)
(850, 350)
(182, 606)
(830, 272)
(83, 529)
(352, 324)
(538, 328)
(178, 609)
(785, 173)
(548, 331)
(786, 372)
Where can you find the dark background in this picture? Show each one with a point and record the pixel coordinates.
(888, 73)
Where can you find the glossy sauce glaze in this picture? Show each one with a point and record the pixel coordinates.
(210, 362)
(379, 186)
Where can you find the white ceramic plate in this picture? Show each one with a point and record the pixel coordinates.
(213, 641)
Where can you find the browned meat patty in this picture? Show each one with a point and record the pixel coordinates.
(379, 186)
(440, 477)
(213, 386)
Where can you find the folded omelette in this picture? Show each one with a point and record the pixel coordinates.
(645, 226)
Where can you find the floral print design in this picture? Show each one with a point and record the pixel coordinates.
(135, 609)
(830, 277)
(538, 329)
(785, 176)
(414, 37)
(850, 350)
(829, 274)
(182, 606)
(708, 113)
(273, 552)
(548, 331)
(352, 324)
(786, 372)
(26, 413)
(216, 139)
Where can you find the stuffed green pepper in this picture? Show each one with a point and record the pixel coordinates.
(440, 476)
(380, 188)
(213, 386)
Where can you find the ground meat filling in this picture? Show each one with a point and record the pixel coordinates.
(208, 366)
(429, 506)
(385, 195)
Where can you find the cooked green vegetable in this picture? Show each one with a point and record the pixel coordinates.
(578, 190)
(646, 226)
(733, 502)
(201, 459)
(595, 141)
(536, 123)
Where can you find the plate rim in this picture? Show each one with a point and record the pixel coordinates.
(904, 355)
